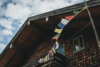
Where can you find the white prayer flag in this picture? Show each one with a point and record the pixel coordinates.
(57, 45)
(64, 21)
(40, 60)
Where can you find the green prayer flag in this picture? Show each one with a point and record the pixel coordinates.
(76, 12)
(52, 52)
(57, 36)
(45, 58)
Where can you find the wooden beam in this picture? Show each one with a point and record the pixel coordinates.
(11, 60)
(19, 50)
(39, 28)
(28, 38)
(36, 28)
(95, 31)
(85, 19)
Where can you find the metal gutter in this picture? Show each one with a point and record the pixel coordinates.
(65, 10)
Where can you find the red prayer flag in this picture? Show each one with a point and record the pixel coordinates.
(69, 17)
(50, 53)
(44, 59)
(54, 38)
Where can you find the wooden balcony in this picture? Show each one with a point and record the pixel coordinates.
(57, 60)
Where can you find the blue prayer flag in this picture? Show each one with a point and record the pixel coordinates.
(54, 46)
(48, 57)
(61, 25)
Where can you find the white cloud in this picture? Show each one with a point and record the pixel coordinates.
(48, 5)
(1, 2)
(6, 23)
(2, 46)
(6, 29)
(4, 33)
(41, 6)
(7, 32)
(22, 9)
(1, 38)
(17, 11)
(2, 11)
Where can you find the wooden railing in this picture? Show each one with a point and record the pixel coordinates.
(57, 60)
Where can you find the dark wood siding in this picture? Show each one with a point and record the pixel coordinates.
(90, 56)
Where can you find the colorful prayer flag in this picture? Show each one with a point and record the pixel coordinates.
(57, 36)
(69, 17)
(50, 53)
(48, 57)
(58, 30)
(76, 12)
(64, 21)
(84, 8)
(54, 46)
(61, 25)
(44, 59)
(57, 45)
(53, 50)
(40, 60)
(54, 38)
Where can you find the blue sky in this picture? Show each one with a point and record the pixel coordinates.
(13, 14)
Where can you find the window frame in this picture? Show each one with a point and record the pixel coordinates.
(78, 44)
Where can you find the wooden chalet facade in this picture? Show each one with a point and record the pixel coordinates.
(77, 43)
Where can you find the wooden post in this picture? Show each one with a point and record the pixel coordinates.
(96, 34)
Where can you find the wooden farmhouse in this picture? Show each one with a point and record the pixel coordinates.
(78, 43)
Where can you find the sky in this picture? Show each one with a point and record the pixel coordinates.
(13, 14)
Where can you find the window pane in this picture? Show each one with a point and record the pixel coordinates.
(76, 45)
(81, 42)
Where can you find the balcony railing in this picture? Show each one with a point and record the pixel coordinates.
(57, 60)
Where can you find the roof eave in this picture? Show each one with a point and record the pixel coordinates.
(51, 13)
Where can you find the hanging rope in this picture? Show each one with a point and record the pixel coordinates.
(77, 33)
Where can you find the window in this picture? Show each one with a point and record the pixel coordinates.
(78, 44)
(61, 50)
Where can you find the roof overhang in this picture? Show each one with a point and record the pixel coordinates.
(39, 25)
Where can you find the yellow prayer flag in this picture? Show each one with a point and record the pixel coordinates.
(53, 50)
(58, 30)
(84, 8)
